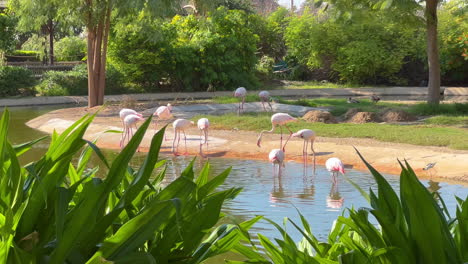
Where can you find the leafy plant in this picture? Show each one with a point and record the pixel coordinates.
(70, 49)
(54, 210)
(13, 79)
(413, 228)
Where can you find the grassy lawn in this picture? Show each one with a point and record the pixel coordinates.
(425, 134)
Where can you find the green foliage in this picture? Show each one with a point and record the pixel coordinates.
(7, 32)
(188, 53)
(70, 49)
(75, 82)
(13, 79)
(413, 228)
(370, 50)
(56, 210)
(453, 39)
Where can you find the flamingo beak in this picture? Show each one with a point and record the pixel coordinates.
(258, 143)
(342, 170)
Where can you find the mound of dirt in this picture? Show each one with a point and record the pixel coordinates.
(319, 116)
(396, 115)
(364, 117)
(351, 112)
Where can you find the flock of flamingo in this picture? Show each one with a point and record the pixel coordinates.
(129, 118)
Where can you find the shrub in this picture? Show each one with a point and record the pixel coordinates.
(188, 53)
(7, 32)
(75, 82)
(24, 55)
(13, 79)
(56, 210)
(70, 49)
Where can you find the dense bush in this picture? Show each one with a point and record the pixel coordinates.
(75, 82)
(453, 38)
(188, 53)
(7, 32)
(14, 79)
(70, 49)
(362, 51)
(24, 55)
(57, 210)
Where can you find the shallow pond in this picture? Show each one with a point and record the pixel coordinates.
(263, 193)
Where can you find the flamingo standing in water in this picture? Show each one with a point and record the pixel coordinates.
(265, 97)
(241, 92)
(162, 113)
(334, 165)
(129, 120)
(278, 119)
(203, 124)
(122, 114)
(276, 156)
(180, 125)
(307, 135)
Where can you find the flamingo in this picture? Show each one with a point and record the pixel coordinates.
(307, 135)
(278, 119)
(180, 125)
(276, 156)
(265, 97)
(203, 124)
(122, 114)
(129, 120)
(162, 113)
(241, 92)
(334, 165)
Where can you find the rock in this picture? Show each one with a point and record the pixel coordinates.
(319, 116)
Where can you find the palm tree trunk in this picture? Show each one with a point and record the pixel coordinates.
(102, 78)
(432, 53)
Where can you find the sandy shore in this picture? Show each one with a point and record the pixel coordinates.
(452, 165)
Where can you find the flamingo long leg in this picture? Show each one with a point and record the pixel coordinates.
(243, 101)
(174, 151)
(271, 107)
(313, 151)
(124, 135)
(185, 139)
(281, 138)
(206, 138)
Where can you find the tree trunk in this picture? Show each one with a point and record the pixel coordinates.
(433, 53)
(92, 95)
(50, 26)
(103, 58)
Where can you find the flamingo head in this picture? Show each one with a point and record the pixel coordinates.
(341, 169)
(140, 115)
(169, 106)
(297, 134)
(191, 122)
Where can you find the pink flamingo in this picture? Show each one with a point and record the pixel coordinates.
(334, 165)
(307, 135)
(203, 124)
(129, 120)
(265, 97)
(276, 156)
(241, 92)
(123, 113)
(162, 113)
(180, 125)
(278, 119)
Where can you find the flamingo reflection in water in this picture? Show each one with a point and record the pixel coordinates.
(334, 199)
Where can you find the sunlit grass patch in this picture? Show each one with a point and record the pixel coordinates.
(425, 135)
(231, 99)
(443, 120)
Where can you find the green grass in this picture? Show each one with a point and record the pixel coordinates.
(231, 99)
(448, 121)
(425, 135)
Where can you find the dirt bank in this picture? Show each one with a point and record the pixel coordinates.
(452, 165)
